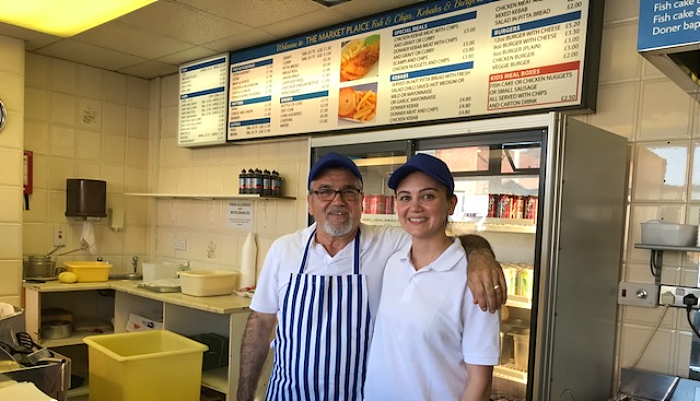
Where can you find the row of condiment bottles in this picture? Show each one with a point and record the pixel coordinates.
(260, 182)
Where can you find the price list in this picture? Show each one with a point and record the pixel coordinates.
(536, 54)
(203, 102)
(441, 60)
(437, 58)
(250, 111)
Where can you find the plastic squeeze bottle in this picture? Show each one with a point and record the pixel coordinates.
(248, 258)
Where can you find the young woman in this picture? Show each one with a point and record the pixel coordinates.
(430, 341)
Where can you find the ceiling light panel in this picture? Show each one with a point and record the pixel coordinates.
(65, 17)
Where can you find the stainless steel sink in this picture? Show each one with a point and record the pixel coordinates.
(126, 276)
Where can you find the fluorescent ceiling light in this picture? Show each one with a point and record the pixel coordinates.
(65, 17)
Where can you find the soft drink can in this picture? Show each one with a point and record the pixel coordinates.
(389, 204)
(493, 205)
(525, 282)
(530, 211)
(505, 206)
(375, 204)
(518, 206)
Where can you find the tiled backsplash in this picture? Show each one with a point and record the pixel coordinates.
(86, 122)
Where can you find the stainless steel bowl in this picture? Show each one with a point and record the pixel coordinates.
(39, 267)
(56, 330)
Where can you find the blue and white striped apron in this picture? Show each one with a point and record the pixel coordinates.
(322, 337)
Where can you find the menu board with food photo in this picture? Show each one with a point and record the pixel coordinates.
(358, 58)
(358, 103)
(422, 63)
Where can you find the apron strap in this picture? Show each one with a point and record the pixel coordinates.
(306, 252)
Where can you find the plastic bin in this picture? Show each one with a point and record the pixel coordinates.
(156, 365)
(89, 271)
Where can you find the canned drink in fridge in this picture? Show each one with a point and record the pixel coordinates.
(518, 206)
(389, 204)
(505, 206)
(511, 276)
(374, 204)
(493, 205)
(525, 282)
(530, 210)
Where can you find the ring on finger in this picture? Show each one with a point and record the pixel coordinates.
(497, 286)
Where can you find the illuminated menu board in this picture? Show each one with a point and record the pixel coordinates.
(442, 60)
(203, 102)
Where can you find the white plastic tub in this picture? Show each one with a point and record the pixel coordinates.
(205, 283)
(157, 271)
(656, 232)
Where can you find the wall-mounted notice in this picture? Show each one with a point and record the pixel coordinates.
(203, 98)
(442, 60)
(240, 214)
(664, 23)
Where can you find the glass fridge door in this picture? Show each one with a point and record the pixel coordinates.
(497, 184)
(376, 162)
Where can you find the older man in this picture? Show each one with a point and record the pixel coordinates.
(322, 285)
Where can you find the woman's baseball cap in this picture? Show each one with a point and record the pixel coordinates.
(333, 160)
(426, 164)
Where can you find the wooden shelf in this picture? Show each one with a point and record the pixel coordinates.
(74, 339)
(518, 301)
(216, 379)
(509, 372)
(208, 196)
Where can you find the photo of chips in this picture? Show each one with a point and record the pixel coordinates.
(357, 104)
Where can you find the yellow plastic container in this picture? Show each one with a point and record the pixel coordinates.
(156, 365)
(89, 271)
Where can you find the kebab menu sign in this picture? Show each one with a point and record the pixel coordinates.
(442, 60)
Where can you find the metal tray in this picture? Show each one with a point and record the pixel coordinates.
(159, 288)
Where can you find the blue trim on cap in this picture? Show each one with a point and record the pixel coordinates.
(426, 164)
(333, 160)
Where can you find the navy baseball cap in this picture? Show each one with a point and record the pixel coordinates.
(333, 160)
(426, 164)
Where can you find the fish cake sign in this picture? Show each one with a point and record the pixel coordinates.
(452, 59)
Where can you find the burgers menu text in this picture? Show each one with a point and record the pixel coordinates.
(442, 60)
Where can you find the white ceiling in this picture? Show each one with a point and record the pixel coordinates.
(154, 40)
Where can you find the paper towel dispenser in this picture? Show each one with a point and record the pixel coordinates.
(86, 198)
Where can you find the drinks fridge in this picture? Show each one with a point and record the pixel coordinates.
(547, 191)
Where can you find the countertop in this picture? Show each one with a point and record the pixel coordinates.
(221, 304)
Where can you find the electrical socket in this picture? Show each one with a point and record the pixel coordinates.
(59, 236)
(638, 294)
(678, 292)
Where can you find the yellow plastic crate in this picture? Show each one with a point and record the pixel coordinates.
(156, 365)
(89, 271)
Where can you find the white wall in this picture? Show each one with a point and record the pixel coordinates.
(635, 101)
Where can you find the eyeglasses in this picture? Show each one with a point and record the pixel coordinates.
(328, 194)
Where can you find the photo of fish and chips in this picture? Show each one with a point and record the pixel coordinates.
(358, 103)
(358, 57)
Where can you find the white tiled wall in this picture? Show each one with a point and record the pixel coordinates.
(211, 242)
(82, 121)
(662, 122)
(12, 75)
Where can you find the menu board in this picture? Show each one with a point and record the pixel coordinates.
(663, 23)
(442, 60)
(203, 102)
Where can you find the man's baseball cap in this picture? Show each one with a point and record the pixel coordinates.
(426, 164)
(333, 160)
